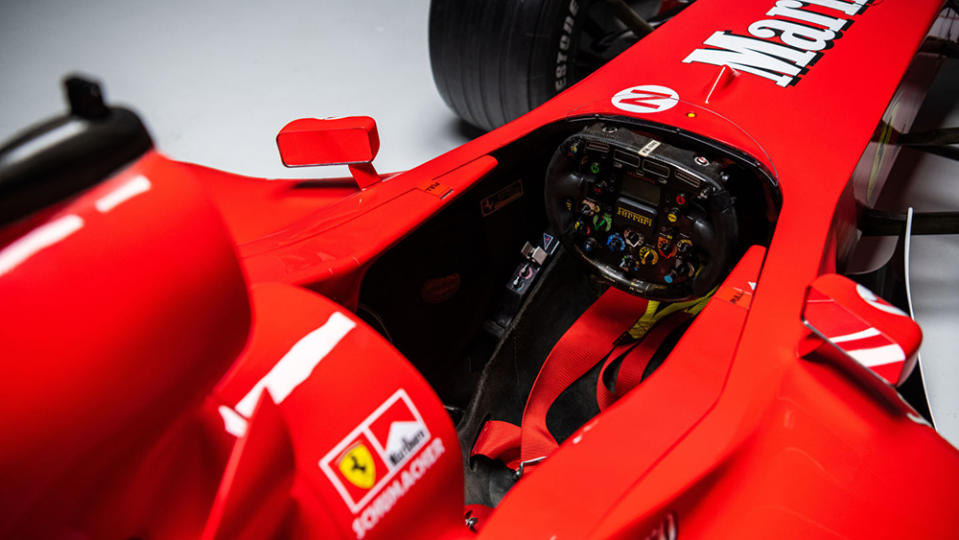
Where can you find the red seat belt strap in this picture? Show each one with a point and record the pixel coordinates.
(498, 440)
(572, 356)
(635, 358)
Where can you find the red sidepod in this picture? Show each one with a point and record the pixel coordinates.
(130, 307)
(122, 311)
(348, 439)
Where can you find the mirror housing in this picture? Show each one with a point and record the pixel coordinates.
(861, 326)
(352, 141)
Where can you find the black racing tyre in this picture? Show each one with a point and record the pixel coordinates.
(494, 60)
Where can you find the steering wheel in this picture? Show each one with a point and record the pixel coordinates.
(654, 219)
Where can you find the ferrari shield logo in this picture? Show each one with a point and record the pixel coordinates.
(358, 467)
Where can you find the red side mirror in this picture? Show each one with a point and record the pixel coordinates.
(862, 326)
(351, 141)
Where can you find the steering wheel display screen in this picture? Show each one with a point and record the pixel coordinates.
(653, 218)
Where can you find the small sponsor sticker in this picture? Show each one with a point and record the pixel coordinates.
(501, 198)
(645, 99)
(650, 147)
(441, 289)
(385, 441)
(735, 296)
(547, 241)
(436, 188)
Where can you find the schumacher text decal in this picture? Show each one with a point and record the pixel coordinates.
(805, 29)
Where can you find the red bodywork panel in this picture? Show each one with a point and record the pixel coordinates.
(863, 326)
(143, 320)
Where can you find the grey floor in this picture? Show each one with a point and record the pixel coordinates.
(215, 81)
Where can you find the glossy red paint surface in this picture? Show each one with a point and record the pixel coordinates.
(130, 327)
(861, 325)
(140, 333)
(314, 141)
(337, 392)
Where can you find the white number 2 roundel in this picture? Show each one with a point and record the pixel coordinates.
(645, 99)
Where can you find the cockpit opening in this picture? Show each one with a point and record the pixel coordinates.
(595, 241)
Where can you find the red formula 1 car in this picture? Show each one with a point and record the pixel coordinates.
(622, 315)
